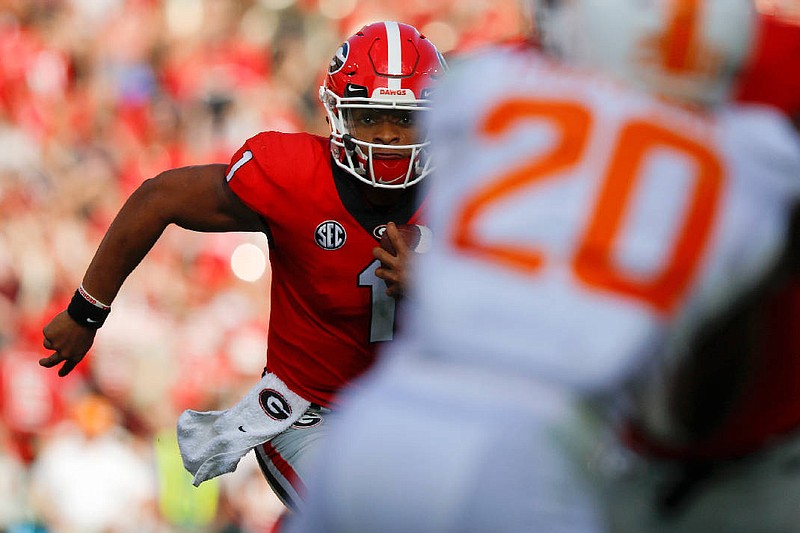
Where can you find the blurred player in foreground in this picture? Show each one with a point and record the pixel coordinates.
(323, 204)
(595, 209)
(737, 467)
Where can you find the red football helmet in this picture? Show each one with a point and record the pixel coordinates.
(384, 66)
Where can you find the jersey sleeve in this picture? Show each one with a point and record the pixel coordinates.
(247, 177)
(271, 167)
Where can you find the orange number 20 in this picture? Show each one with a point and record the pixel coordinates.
(592, 262)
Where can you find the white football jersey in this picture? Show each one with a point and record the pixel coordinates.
(582, 228)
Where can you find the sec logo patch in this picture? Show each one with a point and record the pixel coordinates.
(330, 235)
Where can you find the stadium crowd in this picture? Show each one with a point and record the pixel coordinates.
(95, 97)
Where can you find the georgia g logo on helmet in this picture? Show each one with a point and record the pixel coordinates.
(339, 58)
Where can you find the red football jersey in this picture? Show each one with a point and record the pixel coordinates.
(329, 311)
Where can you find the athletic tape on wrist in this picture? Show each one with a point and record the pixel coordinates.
(87, 313)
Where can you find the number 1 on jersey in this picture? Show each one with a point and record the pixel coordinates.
(381, 327)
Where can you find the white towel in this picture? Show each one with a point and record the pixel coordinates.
(213, 442)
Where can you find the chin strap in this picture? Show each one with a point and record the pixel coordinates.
(390, 170)
(384, 170)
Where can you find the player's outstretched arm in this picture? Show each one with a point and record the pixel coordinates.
(195, 198)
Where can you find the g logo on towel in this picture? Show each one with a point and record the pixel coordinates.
(274, 404)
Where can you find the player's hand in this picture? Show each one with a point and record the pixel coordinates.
(394, 268)
(69, 342)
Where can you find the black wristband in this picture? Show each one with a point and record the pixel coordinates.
(86, 313)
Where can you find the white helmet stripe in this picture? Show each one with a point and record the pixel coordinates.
(395, 59)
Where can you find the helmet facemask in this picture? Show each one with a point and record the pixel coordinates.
(380, 165)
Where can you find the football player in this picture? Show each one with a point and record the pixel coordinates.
(323, 203)
(596, 210)
(739, 397)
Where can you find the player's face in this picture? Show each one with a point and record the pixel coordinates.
(385, 126)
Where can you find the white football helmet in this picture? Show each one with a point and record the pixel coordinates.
(685, 49)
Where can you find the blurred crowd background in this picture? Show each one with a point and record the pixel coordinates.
(95, 97)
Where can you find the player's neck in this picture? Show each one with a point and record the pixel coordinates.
(381, 198)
